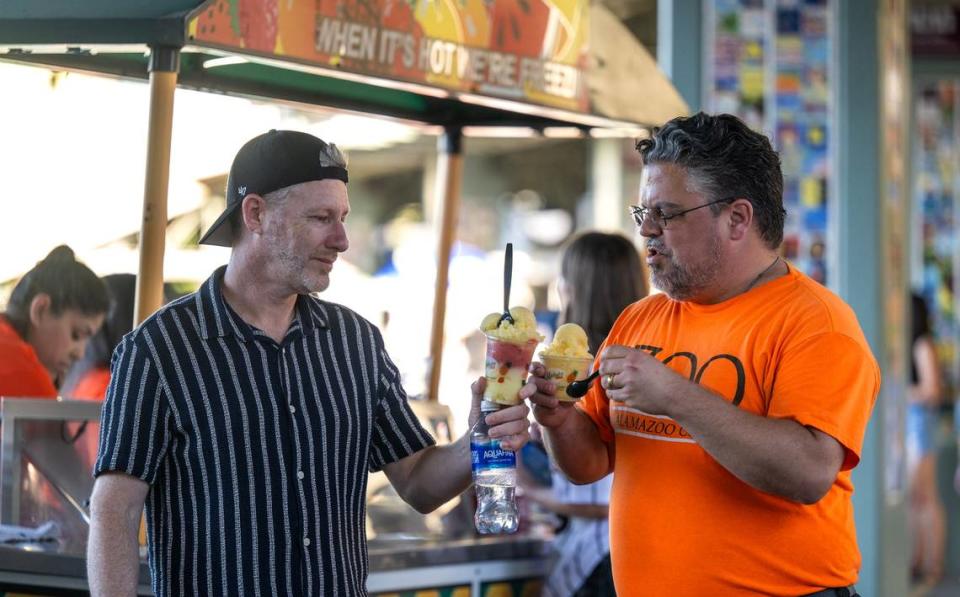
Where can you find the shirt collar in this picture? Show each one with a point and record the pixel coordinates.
(217, 319)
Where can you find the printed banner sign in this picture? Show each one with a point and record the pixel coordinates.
(525, 50)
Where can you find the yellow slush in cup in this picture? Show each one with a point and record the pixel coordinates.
(567, 358)
(510, 348)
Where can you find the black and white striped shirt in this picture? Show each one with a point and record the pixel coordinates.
(257, 453)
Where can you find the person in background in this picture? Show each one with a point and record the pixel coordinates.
(956, 437)
(53, 311)
(927, 517)
(89, 377)
(249, 414)
(600, 275)
(732, 406)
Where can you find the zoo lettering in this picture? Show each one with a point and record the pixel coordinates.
(696, 373)
(650, 425)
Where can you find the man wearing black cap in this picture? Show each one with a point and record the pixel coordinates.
(248, 414)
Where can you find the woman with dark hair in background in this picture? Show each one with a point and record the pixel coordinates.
(600, 274)
(90, 376)
(927, 518)
(52, 313)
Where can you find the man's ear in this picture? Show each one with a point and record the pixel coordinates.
(253, 208)
(40, 307)
(740, 218)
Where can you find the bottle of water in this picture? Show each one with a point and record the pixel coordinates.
(495, 479)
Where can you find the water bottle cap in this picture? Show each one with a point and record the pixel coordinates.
(489, 406)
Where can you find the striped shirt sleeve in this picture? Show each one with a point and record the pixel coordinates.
(135, 421)
(397, 432)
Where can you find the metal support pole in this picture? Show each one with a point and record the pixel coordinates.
(164, 65)
(449, 175)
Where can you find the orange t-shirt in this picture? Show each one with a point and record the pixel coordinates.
(92, 385)
(21, 373)
(680, 523)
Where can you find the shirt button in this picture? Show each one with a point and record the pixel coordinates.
(306, 541)
(293, 409)
(300, 474)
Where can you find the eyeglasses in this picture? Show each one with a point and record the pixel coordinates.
(660, 218)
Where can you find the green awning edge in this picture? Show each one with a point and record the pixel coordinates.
(66, 22)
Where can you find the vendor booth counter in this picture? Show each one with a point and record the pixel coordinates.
(465, 568)
(536, 65)
(47, 451)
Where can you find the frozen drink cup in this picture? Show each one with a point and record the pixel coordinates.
(567, 358)
(562, 371)
(506, 369)
(510, 348)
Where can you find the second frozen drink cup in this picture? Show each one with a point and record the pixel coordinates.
(567, 358)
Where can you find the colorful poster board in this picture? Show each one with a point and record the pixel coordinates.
(768, 62)
(738, 59)
(936, 170)
(526, 50)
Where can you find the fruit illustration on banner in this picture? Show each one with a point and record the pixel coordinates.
(258, 24)
(297, 32)
(567, 28)
(218, 23)
(519, 26)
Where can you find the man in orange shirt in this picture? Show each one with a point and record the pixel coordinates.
(732, 407)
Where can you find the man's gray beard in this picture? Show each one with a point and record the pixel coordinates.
(294, 268)
(682, 282)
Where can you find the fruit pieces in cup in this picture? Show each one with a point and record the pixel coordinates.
(563, 371)
(510, 348)
(567, 358)
(506, 369)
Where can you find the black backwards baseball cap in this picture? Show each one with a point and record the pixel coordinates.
(267, 163)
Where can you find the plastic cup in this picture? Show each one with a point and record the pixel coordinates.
(563, 370)
(506, 369)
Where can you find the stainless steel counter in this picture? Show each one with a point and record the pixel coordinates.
(437, 553)
(394, 564)
(45, 477)
(22, 569)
